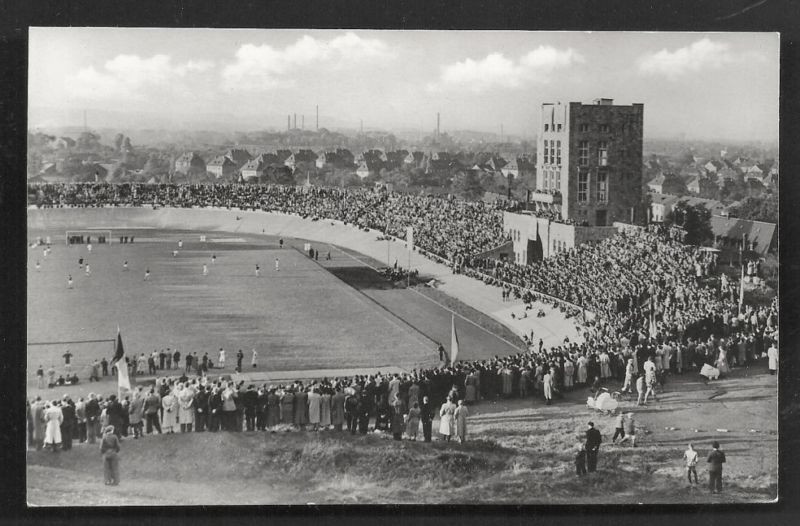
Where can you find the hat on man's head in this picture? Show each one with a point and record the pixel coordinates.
(591, 424)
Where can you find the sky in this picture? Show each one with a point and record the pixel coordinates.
(704, 85)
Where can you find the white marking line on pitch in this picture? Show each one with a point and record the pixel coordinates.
(430, 299)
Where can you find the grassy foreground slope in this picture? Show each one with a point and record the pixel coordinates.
(519, 452)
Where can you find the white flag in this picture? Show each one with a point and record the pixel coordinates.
(453, 341)
(741, 290)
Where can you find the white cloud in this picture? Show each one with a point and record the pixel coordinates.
(264, 67)
(125, 76)
(497, 71)
(690, 59)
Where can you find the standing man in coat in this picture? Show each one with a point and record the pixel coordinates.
(114, 412)
(716, 459)
(136, 412)
(426, 415)
(593, 440)
(772, 356)
(337, 409)
(273, 408)
(201, 409)
(37, 413)
(92, 418)
(250, 403)
(68, 424)
(152, 403)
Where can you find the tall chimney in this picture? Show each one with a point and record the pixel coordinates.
(437, 124)
(295, 121)
(317, 127)
(288, 122)
(362, 125)
(303, 121)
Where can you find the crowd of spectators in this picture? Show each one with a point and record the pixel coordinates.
(654, 299)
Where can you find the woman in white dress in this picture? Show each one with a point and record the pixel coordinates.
(169, 420)
(569, 372)
(53, 419)
(582, 373)
(325, 409)
(460, 417)
(722, 361)
(314, 408)
(447, 421)
(605, 365)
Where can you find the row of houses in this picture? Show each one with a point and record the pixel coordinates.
(706, 177)
(240, 164)
(729, 232)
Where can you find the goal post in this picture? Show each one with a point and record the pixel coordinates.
(84, 237)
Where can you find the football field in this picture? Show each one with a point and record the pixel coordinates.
(326, 314)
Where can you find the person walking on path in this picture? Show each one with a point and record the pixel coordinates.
(593, 440)
(109, 449)
(619, 428)
(716, 458)
(630, 430)
(690, 456)
(40, 377)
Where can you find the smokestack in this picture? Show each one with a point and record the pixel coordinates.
(362, 125)
(437, 124)
(501, 132)
(295, 121)
(288, 122)
(303, 121)
(317, 127)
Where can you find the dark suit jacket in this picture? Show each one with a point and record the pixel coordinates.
(593, 439)
(716, 458)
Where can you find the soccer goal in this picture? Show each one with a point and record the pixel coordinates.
(89, 236)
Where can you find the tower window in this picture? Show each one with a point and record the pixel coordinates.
(584, 127)
(602, 186)
(604, 128)
(558, 152)
(583, 187)
(583, 153)
(546, 127)
(602, 153)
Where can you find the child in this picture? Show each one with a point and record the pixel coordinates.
(580, 460)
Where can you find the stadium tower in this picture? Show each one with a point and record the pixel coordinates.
(589, 162)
